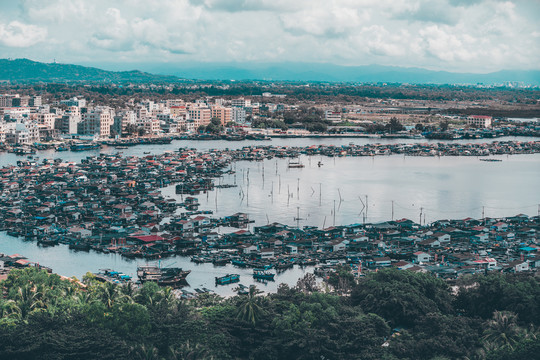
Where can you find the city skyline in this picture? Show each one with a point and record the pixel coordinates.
(450, 35)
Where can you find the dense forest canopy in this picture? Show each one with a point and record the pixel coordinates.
(389, 314)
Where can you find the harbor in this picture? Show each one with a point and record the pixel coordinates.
(203, 211)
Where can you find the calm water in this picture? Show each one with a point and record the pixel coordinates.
(334, 193)
(68, 262)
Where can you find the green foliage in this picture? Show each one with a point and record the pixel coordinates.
(438, 335)
(342, 279)
(497, 292)
(43, 316)
(402, 297)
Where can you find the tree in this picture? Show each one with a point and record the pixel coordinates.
(250, 306)
(394, 125)
(444, 125)
(402, 297)
(503, 330)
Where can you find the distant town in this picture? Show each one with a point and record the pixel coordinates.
(30, 116)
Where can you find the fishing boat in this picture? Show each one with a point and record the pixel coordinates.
(169, 276)
(112, 276)
(295, 164)
(227, 279)
(83, 147)
(263, 274)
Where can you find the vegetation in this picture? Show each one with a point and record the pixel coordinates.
(389, 314)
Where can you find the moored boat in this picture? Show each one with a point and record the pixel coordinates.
(169, 276)
(263, 274)
(227, 279)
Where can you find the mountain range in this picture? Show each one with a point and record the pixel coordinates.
(24, 70)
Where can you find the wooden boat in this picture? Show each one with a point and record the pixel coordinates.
(227, 279)
(81, 246)
(295, 164)
(263, 274)
(174, 277)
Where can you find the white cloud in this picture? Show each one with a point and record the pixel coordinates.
(455, 35)
(17, 34)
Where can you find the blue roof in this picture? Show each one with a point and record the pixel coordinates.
(527, 248)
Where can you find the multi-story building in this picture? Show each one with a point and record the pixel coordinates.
(6, 100)
(68, 123)
(123, 119)
(35, 101)
(222, 113)
(332, 116)
(200, 114)
(74, 101)
(21, 101)
(97, 122)
(22, 134)
(238, 115)
(241, 102)
(150, 126)
(479, 121)
(47, 119)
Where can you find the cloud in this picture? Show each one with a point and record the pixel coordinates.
(17, 34)
(332, 22)
(248, 5)
(454, 35)
(436, 11)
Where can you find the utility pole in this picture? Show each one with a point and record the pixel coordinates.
(334, 212)
(392, 210)
(367, 206)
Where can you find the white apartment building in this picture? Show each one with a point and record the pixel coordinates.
(97, 122)
(68, 123)
(151, 126)
(238, 115)
(332, 116)
(22, 134)
(479, 121)
(241, 102)
(74, 101)
(46, 119)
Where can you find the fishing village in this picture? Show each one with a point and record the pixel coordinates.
(112, 203)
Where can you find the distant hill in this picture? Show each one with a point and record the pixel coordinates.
(24, 70)
(337, 73)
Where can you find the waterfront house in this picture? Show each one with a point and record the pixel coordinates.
(500, 226)
(379, 262)
(517, 266)
(421, 257)
(266, 253)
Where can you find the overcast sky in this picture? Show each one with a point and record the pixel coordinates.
(452, 35)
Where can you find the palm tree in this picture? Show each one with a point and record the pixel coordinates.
(143, 352)
(189, 351)
(28, 299)
(109, 294)
(249, 307)
(503, 329)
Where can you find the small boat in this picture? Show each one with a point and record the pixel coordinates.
(295, 164)
(169, 276)
(227, 279)
(263, 274)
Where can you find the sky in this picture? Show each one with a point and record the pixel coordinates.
(452, 35)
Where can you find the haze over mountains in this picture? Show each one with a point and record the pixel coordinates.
(24, 70)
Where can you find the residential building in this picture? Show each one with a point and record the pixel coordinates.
(479, 121)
